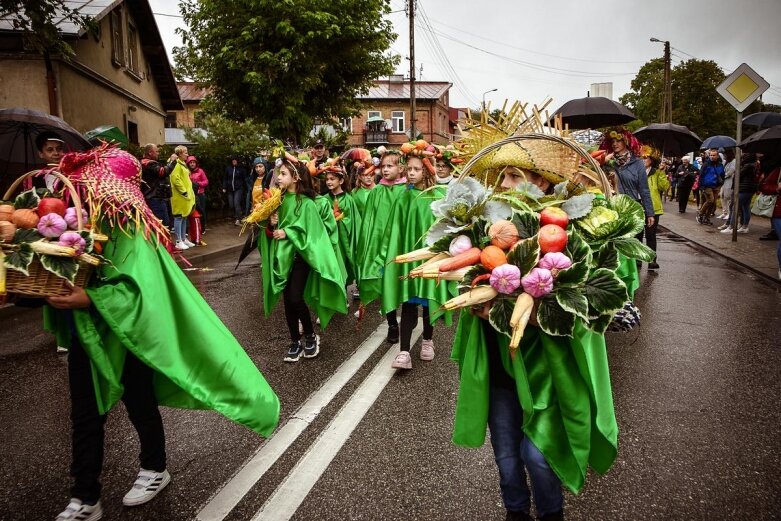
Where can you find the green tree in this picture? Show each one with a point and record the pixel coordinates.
(287, 62)
(696, 104)
(36, 19)
(645, 98)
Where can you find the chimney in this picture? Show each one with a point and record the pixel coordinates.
(396, 78)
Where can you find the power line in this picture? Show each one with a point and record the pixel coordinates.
(171, 15)
(552, 70)
(504, 44)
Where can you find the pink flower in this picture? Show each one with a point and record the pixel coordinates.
(538, 282)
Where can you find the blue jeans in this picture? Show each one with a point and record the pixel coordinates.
(180, 227)
(159, 207)
(236, 203)
(513, 451)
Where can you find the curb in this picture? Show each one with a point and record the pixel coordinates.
(717, 253)
(204, 257)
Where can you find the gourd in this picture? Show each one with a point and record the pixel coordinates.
(538, 282)
(459, 245)
(503, 234)
(506, 278)
(492, 257)
(25, 218)
(7, 231)
(52, 225)
(6, 211)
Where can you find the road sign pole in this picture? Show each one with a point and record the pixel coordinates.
(735, 213)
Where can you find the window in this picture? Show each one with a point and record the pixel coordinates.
(132, 132)
(170, 120)
(132, 49)
(374, 114)
(117, 38)
(397, 118)
(347, 124)
(198, 119)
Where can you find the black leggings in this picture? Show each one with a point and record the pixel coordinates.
(87, 422)
(295, 308)
(409, 319)
(650, 234)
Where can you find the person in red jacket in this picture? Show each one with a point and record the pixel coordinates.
(200, 182)
(771, 185)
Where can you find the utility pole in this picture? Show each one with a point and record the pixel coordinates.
(666, 115)
(413, 130)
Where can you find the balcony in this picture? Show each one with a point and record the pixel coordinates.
(375, 137)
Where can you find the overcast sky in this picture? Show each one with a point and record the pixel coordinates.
(533, 49)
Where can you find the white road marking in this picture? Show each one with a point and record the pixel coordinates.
(286, 499)
(226, 499)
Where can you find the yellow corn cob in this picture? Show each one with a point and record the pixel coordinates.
(472, 297)
(52, 248)
(99, 237)
(89, 259)
(457, 275)
(266, 208)
(522, 312)
(2, 273)
(417, 255)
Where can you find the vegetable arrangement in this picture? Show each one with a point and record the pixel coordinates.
(550, 259)
(44, 229)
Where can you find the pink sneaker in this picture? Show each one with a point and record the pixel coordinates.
(402, 361)
(427, 350)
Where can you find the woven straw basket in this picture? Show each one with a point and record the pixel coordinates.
(554, 157)
(41, 282)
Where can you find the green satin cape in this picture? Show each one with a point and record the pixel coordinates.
(146, 305)
(307, 237)
(563, 386)
(413, 217)
(360, 196)
(373, 244)
(325, 208)
(349, 227)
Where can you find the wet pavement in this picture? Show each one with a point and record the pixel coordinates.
(696, 391)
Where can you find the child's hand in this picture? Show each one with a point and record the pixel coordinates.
(279, 234)
(77, 299)
(274, 220)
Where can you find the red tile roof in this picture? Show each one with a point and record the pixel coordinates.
(399, 90)
(189, 91)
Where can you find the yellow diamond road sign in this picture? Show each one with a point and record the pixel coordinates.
(742, 87)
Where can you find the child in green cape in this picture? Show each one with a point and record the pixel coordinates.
(348, 219)
(413, 217)
(364, 183)
(299, 261)
(373, 244)
(326, 210)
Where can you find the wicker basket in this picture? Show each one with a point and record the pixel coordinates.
(544, 153)
(40, 282)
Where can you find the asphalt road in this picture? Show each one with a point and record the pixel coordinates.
(696, 391)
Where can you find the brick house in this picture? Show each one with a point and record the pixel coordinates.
(177, 120)
(119, 76)
(385, 120)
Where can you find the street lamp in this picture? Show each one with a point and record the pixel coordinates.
(486, 92)
(666, 112)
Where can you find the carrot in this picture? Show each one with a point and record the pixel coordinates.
(429, 267)
(456, 275)
(462, 260)
(480, 278)
(427, 163)
(522, 312)
(471, 298)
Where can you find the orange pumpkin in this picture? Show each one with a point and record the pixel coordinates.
(6, 211)
(406, 148)
(492, 257)
(25, 218)
(503, 234)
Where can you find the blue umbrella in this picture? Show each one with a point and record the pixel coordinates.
(718, 142)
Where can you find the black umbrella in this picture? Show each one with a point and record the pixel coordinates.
(250, 245)
(766, 141)
(718, 142)
(18, 129)
(763, 119)
(593, 112)
(670, 138)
